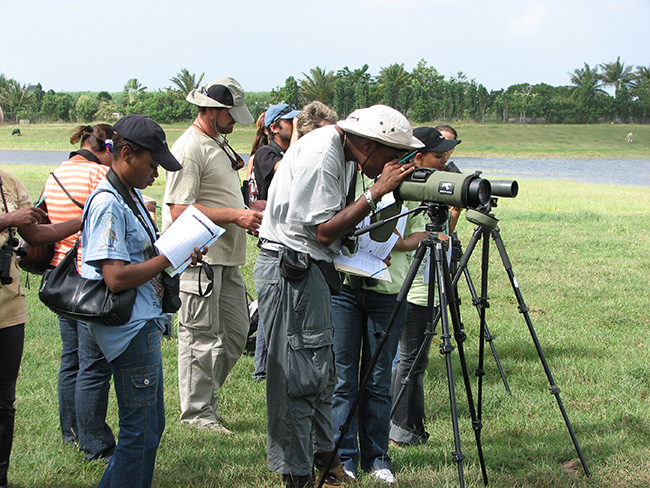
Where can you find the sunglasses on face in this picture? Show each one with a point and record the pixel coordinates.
(284, 111)
(235, 159)
(209, 274)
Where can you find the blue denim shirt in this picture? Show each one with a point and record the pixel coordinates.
(112, 231)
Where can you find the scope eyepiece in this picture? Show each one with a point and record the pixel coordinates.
(504, 188)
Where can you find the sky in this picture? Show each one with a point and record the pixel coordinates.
(95, 46)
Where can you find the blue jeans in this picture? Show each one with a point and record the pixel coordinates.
(138, 378)
(358, 316)
(84, 383)
(407, 424)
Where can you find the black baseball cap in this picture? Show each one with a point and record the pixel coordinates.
(149, 135)
(433, 140)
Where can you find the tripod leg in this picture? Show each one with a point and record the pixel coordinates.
(445, 349)
(523, 309)
(477, 301)
(460, 337)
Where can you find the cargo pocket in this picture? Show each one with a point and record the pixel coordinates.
(196, 311)
(141, 385)
(309, 362)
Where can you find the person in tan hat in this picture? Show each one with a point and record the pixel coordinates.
(306, 215)
(213, 319)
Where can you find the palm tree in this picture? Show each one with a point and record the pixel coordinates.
(133, 88)
(395, 74)
(319, 86)
(641, 77)
(14, 97)
(616, 74)
(586, 78)
(186, 81)
(586, 91)
(392, 80)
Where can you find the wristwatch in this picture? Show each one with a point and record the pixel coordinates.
(371, 202)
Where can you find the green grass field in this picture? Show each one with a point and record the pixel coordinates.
(494, 140)
(581, 256)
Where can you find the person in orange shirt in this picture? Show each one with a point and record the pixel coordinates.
(84, 375)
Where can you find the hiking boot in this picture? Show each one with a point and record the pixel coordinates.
(337, 476)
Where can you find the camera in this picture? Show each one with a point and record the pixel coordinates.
(171, 301)
(6, 253)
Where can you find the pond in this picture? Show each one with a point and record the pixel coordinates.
(607, 171)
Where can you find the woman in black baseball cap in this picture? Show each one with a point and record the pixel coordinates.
(118, 246)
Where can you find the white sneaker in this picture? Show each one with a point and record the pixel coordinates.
(350, 473)
(384, 475)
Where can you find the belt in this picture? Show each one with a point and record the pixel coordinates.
(270, 252)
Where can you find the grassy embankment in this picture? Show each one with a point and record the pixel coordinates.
(582, 269)
(495, 140)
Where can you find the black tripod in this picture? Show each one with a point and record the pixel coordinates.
(438, 273)
(486, 228)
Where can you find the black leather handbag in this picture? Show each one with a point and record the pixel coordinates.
(65, 292)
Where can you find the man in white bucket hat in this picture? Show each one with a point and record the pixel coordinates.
(213, 319)
(306, 215)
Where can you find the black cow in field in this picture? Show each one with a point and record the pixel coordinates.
(15, 132)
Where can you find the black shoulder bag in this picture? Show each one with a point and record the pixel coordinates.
(38, 258)
(65, 292)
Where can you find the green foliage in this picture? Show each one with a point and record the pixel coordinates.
(133, 90)
(257, 102)
(164, 107)
(86, 108)
(56, 106)
(186, 82)
(422, 95)
(318, 85)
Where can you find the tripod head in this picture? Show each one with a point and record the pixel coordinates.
(438, 214)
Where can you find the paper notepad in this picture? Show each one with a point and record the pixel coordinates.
(191, 229)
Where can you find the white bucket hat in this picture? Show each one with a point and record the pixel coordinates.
(382, 124)
(223, 92)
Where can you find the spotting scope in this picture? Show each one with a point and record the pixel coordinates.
(454, 189)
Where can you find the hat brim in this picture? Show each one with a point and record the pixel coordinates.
(241, 115)
(199, 99)
(446, 145)
(291, 115)
(166, 159)
(350, 127)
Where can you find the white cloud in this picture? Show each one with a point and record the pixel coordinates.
(529, 23)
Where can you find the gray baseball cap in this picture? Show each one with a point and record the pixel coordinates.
(223, 92)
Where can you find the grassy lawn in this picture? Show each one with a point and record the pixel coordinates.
(581, 256)
(493, 140)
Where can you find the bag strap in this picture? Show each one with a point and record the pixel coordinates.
(116, 183)
(89, 155)
(64, 191)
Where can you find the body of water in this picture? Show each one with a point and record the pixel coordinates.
(607, 171)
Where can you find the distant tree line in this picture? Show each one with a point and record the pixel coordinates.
(423, 95)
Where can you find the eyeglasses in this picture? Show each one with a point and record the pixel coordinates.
(235, 159)
(209, 274)
(284, 111)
